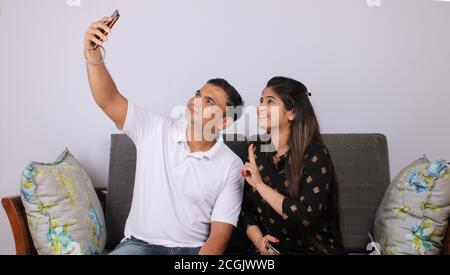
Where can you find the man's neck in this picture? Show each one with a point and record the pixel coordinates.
(197, 141)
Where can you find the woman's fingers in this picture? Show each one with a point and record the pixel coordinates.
(272, 239)
(263, 248)
(242, 172)
(250, 165)
(246, 172)
(249, 169)
(251, 153)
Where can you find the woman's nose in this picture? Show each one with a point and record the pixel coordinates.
(262, 107)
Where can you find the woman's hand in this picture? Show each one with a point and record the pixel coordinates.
(250, 169)
(262, 244)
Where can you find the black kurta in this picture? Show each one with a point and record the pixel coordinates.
(306, 225)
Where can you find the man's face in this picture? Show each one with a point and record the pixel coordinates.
(207, 108)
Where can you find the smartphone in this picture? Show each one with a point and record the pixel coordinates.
(272, 249)
(115, 16)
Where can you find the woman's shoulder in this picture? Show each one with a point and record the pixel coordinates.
(317, 152)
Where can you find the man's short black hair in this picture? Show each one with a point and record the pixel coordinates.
(233, 97)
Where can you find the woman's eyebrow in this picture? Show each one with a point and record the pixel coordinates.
(269, 96)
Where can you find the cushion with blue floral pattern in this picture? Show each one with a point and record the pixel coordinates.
(64, 214)
(413, 215)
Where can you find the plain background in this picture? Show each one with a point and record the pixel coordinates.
(370, 69)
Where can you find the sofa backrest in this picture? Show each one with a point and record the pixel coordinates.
(122, 168)
(362, 166)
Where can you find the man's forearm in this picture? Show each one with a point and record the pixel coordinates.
(102, 86)
(213, 247)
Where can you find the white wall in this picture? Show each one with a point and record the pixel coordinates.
(370, 69)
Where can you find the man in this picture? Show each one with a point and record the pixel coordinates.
(188, 188)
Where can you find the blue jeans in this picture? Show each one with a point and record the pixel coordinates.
(133, 246)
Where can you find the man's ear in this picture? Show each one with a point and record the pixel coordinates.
(226, 122)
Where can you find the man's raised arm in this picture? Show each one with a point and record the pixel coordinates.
(105, 92)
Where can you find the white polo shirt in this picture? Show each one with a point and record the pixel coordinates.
(177, 194)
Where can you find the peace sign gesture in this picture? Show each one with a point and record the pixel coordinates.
(250, 169)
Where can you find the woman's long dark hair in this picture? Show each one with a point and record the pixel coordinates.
(305, 131)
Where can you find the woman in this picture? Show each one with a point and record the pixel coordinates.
(292, 202)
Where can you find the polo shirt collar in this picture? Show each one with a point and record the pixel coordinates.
(180, 137)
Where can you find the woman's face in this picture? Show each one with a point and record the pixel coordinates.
(272, 113)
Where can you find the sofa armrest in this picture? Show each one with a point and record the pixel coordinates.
(102, 193)
(18, 220)
(446, 248)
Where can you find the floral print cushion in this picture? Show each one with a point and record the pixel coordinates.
(413, 215)
(63, 212)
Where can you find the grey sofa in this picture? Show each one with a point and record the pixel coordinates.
(362, 166)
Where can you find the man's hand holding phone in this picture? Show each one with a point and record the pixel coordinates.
(96, 35)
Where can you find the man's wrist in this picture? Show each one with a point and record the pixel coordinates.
(94, 57)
